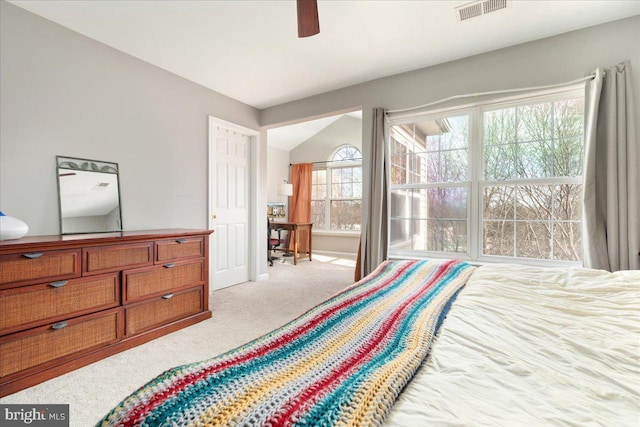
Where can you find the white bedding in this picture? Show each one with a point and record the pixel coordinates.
(525, 346)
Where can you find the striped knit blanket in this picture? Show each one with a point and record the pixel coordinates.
(343, 362)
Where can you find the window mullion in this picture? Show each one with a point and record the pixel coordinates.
(515, 187)
(474, 228)
(327, 200)
(552, 221)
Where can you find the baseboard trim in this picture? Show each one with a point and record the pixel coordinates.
(338, 254)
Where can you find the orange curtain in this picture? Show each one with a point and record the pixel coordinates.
(300, 206)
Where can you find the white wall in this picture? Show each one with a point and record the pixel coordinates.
(65, 94)
(277, 172)
(552, 60)
(318, 148)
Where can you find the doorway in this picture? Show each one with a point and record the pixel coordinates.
(229, 202)
(336, 182)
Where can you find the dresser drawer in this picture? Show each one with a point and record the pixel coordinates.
(35, 267)
(113, 258)
(25, 350)
(162, 310)
(145, 282)
(35, 305)
(179, 248)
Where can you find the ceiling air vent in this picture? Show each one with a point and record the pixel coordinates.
(478, 8)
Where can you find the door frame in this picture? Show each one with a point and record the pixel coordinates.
(253, 225)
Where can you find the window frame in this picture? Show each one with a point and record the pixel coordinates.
(440, 115)
(326, 189)
(475, 182)
(328, 167)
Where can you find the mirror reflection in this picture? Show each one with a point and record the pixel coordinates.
(89, 196)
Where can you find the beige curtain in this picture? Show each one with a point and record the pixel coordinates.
(611, 198)
(374, 239)
(300, 207)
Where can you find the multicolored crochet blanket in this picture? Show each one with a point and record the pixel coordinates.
(343, 362)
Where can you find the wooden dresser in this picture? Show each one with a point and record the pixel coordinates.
(67, 301)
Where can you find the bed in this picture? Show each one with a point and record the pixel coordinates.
(529, 346)
(426, 343)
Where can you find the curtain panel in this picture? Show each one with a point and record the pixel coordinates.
(300, 207)
(611, 191)
(374, 240)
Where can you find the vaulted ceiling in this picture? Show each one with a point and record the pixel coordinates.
(249, 49)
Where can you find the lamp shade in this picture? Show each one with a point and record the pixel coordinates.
(285, 189)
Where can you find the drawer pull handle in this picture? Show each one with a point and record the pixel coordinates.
(33, 255)
(181, 240)
(60, 325)
(167, 296)
(59, 284)
(169, 265)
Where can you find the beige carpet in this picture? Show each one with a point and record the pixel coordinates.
(240, 313)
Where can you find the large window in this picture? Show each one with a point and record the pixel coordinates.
(494, 181)
(336, 196)
(429, 176)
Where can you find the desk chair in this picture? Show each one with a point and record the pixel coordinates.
(273, 242)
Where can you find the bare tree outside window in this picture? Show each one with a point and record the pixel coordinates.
(525, 188)
(318, 196)
(538, 149)
(429, 173)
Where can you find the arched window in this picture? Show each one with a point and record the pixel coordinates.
(347, 153)
(337, 191)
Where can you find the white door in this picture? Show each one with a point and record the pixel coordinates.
(229, 157)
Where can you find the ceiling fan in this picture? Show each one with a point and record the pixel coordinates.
(308, 23)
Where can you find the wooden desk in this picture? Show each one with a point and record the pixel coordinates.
(294, 228)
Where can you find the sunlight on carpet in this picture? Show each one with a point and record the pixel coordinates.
(346, 262)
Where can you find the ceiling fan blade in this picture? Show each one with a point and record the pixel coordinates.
(308, 23)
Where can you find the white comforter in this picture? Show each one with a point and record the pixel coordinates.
(525, 346)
